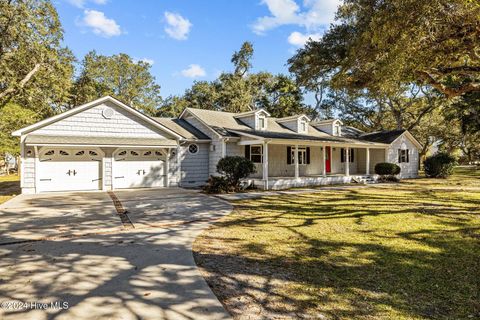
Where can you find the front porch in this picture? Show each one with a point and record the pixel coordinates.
(283, 166)
(279, 183)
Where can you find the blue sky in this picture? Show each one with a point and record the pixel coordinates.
(193, 40)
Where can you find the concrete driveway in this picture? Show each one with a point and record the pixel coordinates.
(76, 248)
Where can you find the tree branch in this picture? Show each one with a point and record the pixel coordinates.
(22, 82)
(449, 92)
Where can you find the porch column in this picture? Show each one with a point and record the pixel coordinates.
(265, 164)
(324, 166)
(367, 171)
(347, 161)
(167, 168)
(295, 158)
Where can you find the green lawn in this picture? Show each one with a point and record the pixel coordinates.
(406, 251)
(9, 187)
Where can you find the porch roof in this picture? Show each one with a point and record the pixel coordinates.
(261, 135)
(97, 141)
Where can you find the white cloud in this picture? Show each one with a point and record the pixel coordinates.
(81, 3)
(177, 27)
(299, 39)
(146, 60)
(316, 14)
(100, 24)
(193, 71)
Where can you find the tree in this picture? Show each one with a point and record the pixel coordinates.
(172, 106)
(202, 95)
(377, 44)
(281, 97)
(13, 117)
(242, 59)
(118, 76)
(35, 70)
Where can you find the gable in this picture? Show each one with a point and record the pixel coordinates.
(95, 122)
(106, 117)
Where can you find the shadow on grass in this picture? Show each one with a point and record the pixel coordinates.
(427, 268)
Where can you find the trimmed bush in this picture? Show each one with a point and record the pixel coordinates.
(439, 165)
(216, 184)
(234, 169)
(387, 169)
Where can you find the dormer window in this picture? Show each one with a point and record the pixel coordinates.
(303, 126)
(261, 122)
(336, 129)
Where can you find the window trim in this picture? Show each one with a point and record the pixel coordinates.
(403, 156)
(193, 144)
(351, 155)
(262, 119)
(256, 154)
(304, 150)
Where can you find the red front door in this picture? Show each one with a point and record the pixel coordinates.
(328, 156)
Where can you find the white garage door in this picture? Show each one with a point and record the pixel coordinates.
(138, 169)
(69, 170)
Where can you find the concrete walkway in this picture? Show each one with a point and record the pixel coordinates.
(104, 270)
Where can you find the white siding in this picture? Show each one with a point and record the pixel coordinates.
(28, 174)
(91, 122)
(410, 169)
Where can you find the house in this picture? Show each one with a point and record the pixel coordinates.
(106, 145)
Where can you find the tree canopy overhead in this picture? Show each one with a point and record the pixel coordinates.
(119, 76)
(35, 69)
(379, 44)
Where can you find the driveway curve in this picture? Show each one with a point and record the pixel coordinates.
(71, 256)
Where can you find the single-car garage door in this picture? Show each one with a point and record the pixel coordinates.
(63, 169)
(138, 169)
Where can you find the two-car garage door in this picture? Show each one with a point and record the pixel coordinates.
(64, 169)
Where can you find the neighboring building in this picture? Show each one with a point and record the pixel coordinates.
(106, 145)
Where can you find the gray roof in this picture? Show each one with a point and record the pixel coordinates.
(382, 136)
(225, 124)
(182, 128)
(97, 141)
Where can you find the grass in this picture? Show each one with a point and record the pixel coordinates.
(402, 251)
(9, 187)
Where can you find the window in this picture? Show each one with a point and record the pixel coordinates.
(254, 153)
(92, 153)
(351, 155)
(261, 123)
(80, 153)
(134, 153)
(147, 153)
(336, 130)
(403, 156)
(124, 152)
(158, 153)
(303, 126)
(63, 153)
(303, 155)
(49, 153)
(193, 148)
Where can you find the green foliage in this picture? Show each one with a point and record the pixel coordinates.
(172, 106)
(217, 184)
(242, 59)
(119, 76)
(13, 117)
(381, 44)
(439, 165)
(234, 169)
(387, 169)
(35, 69)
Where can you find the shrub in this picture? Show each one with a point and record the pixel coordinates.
(439, 165)
(216, 184)
(234, 169)
(387, 169)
